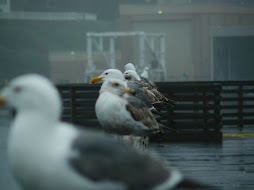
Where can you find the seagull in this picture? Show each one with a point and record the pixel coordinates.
(47, 154)
(145, 73)
(139, 93)
(129, 66)
(145, 80)
(123, 113)
(150, 89)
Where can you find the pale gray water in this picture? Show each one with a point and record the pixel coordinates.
(229, 166)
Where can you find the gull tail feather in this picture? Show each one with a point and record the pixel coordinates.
(162, 127)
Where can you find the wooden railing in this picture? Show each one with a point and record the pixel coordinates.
(237, 103)
(203, 108)
(196, 115)
(79, 103)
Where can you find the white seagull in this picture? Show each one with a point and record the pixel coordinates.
(143, 77)
(139, 93)
(47, 154)
(121, 113)
(145, 73)
(150, 89)
(129, 66)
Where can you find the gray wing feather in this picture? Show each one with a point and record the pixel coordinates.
(105, 159)
(139, 93)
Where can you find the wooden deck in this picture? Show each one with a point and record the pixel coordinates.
(228, 166)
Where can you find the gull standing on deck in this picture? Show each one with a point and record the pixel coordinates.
(47, 154)
(145, 73)
(139, 93)
(129, 66)
(121, 113)
(150, 89)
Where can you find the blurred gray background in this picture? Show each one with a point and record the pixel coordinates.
(205, 39)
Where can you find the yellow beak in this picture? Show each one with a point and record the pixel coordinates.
(95, 79)
(2, 101)
(129, 91)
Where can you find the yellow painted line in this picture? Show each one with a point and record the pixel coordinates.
(239, 135)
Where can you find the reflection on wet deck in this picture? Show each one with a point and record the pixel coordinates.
(229, 165)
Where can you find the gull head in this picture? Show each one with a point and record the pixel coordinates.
(32, 93)
(116, 86)
(108, 74)
(129, 66)
(130, 74)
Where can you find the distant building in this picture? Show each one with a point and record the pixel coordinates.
(36, 29)
(59, 9)
(44, 10)
(97, 7)
(206, 39)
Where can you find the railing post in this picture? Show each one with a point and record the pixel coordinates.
(72, 104)
(217, 108)
(205, 110)
(240, 106)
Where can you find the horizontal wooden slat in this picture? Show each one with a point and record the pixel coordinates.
(237, 99)
(184, 116)
(237, 121)
(236, 91)
(233, 107)
(194, 107)
(237, 114)
(85, 103)
(194, 98)
(192, 125)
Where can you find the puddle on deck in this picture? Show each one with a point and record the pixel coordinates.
(229, 166)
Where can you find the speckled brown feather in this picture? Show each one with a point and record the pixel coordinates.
(145, 116)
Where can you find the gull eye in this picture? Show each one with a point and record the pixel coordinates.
(17, 89)
(116, 84)
(106, 73)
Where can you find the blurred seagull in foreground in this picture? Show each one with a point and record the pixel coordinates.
(46, 154)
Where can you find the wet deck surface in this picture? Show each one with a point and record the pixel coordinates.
(229, 166)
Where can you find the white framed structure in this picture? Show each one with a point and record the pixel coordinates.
(5, 6)
(146, 43)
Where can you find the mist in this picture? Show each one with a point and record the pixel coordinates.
(204, 39)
